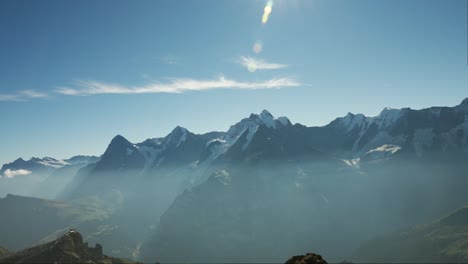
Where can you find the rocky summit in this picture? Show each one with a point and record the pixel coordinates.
(309, 258)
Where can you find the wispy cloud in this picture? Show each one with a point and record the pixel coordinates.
(22, 95)
(253, 64)
(175, 85)
(13, 173)
(32, 94)
(9, 97)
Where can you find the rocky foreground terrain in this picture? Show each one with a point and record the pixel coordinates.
(68, 248)
(309, 258)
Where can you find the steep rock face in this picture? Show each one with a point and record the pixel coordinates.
(120, 155)
(68, 248)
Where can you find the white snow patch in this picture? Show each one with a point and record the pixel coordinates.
(223, 177)
(53, 163)
(267, 119)
(387, 117)
(182, 138)
(382, 138)
(220, 140)
(351, 121)
(382, 152)
(250, 135)
(386, 148)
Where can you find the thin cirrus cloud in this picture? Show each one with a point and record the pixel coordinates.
(175, 85)
(22, 96)
(253, 64)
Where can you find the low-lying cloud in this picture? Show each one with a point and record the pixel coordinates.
(175, 85)
(8, 173)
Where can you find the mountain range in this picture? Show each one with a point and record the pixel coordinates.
(40, 177)
(269, 188)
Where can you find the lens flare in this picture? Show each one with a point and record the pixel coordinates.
(264, 18)
(257, 47)
(267, 11)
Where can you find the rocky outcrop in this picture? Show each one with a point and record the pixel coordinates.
(309, 258)
(69, 248)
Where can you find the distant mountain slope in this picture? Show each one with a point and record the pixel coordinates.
(68, 248)
(47, 164)
(443, 241)
(27, 220)
(419, 131)
(346, 180)
(43, 178)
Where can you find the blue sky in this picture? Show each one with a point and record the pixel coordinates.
(76, 73)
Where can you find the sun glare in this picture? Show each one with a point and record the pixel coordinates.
(267, 11)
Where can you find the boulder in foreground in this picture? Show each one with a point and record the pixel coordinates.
(309, 258)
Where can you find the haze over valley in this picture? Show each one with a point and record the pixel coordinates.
(266, 187)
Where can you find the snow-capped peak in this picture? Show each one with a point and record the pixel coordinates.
(387, 117)
(350, 121)
(284, 121)
(267, 118)
(177, 136)
(249, 126)
(180, 130)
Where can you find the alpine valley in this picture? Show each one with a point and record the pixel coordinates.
(262, 191)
